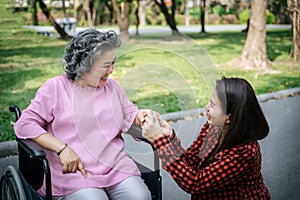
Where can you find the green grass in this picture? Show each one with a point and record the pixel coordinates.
(160, 72)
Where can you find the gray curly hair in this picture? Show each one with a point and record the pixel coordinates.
(84, 48)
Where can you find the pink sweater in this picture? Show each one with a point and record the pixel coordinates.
(90, 121)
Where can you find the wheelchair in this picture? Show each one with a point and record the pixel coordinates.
(22, 183)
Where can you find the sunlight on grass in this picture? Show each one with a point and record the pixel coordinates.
(172, 80)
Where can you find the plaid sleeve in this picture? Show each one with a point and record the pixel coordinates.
(168, 146)
(171, 148)
(228, 167)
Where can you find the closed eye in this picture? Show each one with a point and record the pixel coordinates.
(108, 65)
(212, 103)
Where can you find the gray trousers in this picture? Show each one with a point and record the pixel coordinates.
(132, 188)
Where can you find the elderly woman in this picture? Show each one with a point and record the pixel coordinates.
(78, 118)
(224, 162)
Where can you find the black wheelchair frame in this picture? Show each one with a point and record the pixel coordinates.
(34, 166)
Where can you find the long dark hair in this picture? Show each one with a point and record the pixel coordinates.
(247, 121)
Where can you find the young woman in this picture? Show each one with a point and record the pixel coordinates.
(224, 162)
(78, 117)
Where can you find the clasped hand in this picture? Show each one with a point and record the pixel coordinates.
(153, 125)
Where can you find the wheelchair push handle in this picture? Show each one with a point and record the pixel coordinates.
(16, 110)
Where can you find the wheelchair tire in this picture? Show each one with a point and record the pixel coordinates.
(11, 185)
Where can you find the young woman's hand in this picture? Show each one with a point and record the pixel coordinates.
(154, 127)
(167, 129)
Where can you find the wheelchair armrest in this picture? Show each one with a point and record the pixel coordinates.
(32, 148)
(37, 152)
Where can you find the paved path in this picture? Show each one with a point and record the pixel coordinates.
(49, 30)
(280, 150)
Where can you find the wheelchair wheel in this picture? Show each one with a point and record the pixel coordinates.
(11, 185)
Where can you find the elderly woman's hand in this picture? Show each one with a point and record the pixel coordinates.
(140, 116)
(154, 127)
(71, 162)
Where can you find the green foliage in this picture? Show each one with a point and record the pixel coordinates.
(270, 17)
(195, 12)
(232, 11)
(219, 10)
(244, 16)
(179, 3)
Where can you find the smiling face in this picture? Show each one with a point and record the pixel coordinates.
(215, 114)
(102, 67)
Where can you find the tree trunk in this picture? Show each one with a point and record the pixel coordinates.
(170, 18)
(247, 28)
(248, 21)
(294, 8)
(202, 15)
(122, 13)
(35, 18)
(186, 14)
(75, 8)
(136, 13)
(64, 8)
(142, 12)
(278, 8)
(47, 13)
(86, 11)
(254, 54)
(111, 12)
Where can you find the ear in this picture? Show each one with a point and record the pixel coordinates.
(227, 119)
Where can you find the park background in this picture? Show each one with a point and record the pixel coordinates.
(29, 58)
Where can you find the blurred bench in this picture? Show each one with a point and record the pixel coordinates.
(68, 24)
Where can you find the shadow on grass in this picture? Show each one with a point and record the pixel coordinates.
(277, 83)
(31, 52)
(233, 41)
(276, 45)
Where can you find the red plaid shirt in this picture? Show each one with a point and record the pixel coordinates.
(233, 173)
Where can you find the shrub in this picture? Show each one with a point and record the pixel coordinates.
(229, 19)
(155, 18)
(213, 19)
